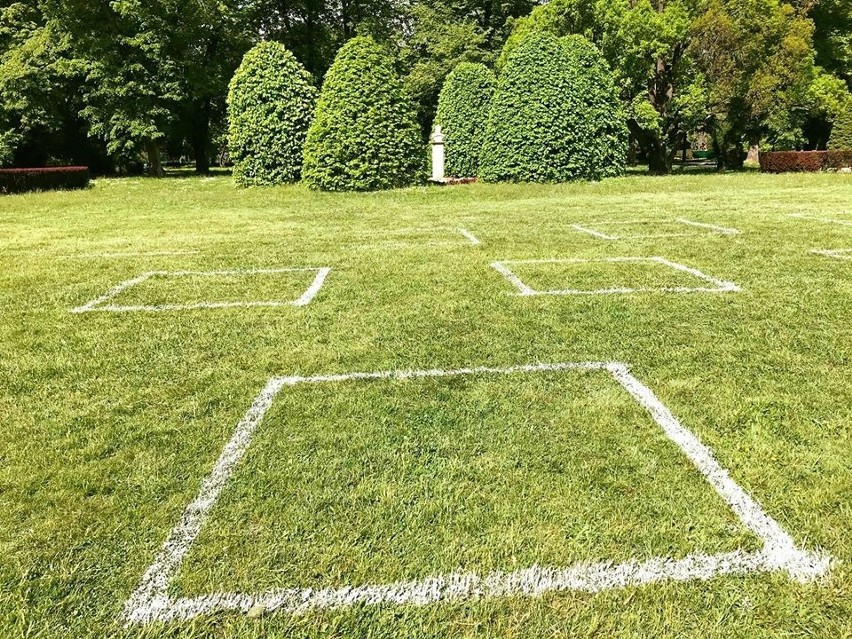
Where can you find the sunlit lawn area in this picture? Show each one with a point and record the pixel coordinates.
(113, 417)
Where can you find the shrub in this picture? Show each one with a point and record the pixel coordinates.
(800, 161)
(841, 132)
(365, 134)
(463, 108)
(270, 102)
(556, 115)
(44, 179)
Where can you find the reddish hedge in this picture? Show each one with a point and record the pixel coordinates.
(784, 161)
(44, 179)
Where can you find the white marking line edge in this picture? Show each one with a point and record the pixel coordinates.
(150, 602)
(839, 254)
(720, 286)
(827, 220)
(469, 237)
(723, 230)
(99, 303)
(120, 254)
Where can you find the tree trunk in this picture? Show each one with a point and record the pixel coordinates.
(201, 138)
(155, 167)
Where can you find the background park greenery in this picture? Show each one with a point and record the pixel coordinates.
(116, 84)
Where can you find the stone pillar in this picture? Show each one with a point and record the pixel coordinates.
(437, 155)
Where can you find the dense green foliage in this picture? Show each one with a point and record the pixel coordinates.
(555, 116)
(270, 105)
(364, 136)
(463, 108)
(841, 132)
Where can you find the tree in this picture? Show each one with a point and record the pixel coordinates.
(758, 60)
(645, 44)
(841, 132)
(152, 66)
(556, 115)
(833, 37)
(463, 108)
(270, 104)
(365, 134)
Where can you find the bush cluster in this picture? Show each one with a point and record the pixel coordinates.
(841, 132)
(804, 161)
(270, 104)
(556, 115)
(365, 134)
(463, 107)
(44, 179)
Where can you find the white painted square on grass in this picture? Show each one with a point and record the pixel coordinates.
(151, 601)
(605, 230)
(102, 303)
(715, 285)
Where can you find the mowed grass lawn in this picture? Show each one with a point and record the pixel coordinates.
(111, 421)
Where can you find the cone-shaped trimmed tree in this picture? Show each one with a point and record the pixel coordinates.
(270, 104)
(841, 132)
(556, 115)
(365, 135)
(463, 108)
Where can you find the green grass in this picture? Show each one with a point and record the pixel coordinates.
(111, 420)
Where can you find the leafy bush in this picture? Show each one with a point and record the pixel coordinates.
(44, 179)
(556, 115)
(802, 161)
(365, 134)
(463, 108)
(270, 103)
(841, 132)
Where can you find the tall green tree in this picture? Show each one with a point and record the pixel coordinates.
(645, 44)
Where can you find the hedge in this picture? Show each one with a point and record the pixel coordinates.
(463, 107)
(799, 161)
(841, 132)
(44, 179)
(270, 102)
(556, 115)
(365, 134)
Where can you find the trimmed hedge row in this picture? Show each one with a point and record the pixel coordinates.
(364, 136)
(803, 161)
(841, 132)
(44, 179)
(556, 116)
(463, 108)
(270, 104)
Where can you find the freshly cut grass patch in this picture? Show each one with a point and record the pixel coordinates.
(112, 421)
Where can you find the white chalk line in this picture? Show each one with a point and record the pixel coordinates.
(150, 601)
(605, 236)
(469, 238)
(100, 304)
(839, 254)
(122, 254)
(719, 286)
(827, 220)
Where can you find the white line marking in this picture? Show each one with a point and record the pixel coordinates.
(111, 255)
(602, 236)
(724, 230)
(470, 236)
(840, 254)
(151, 602)
(719, 286)
(821, 219)
(99, 304)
